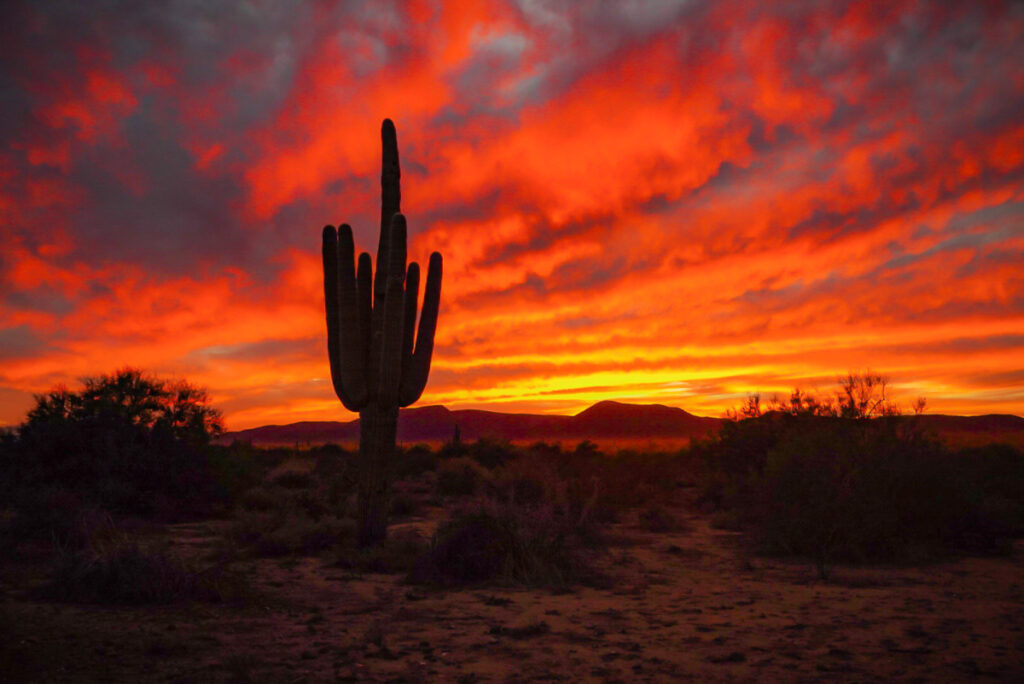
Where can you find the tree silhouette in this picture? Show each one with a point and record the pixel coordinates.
(126, 431)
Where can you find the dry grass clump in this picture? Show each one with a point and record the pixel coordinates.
(656, 518)
(123, 573)
(460, 476)
(492, 540)
(399, 553)
(292, 479)
(288, 532)
(55, 515)
(610, 486)
(110, 567)
(297, 513)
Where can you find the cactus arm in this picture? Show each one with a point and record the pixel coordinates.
(390, 203)
(342, 327)
(364, 294)
(390, 175)
(393, 316)
(415, 380)
(352, 366)
(412, 291)
(330, 255)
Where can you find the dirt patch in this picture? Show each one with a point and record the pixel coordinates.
(690, 604)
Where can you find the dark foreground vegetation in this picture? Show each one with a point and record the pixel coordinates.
(92, 474)
(848, 478)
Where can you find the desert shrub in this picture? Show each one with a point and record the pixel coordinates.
(486, 451)
(399, 553)
(48, 518)
(492, 540)
(311, 502)
(733, 461)
(524, 488)
(453, 448)
(856, 490)
(402, 505)
(473, 547)
(273, 497)
(528, 480)
(334, 477)
(606, 485)
(283, 533)
(297, 513)
(848, 478)
(459, 477)
(630, 479)
(124, 573)
(9, 463)
(111, 568)
(551, 451)
(491, 453)
(411, 462)
(264, 499)
(120, 441)
(656, 518)
(327, 456)
(46, 514)
(237, 467)
(842, 489)
(991, 479)
(293, 479)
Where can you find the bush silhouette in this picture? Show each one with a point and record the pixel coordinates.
(113, 568)
(850, 479)
(842, 490)
(492, 540)
(129, 441)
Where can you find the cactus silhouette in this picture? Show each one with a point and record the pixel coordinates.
(371, 320)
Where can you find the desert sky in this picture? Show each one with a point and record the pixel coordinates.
(674, 202)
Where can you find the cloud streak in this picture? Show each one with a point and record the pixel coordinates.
(677, 202)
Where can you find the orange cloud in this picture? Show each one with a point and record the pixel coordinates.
(680, 203)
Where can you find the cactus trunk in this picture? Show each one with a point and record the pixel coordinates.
(371, 321)
(377, 429)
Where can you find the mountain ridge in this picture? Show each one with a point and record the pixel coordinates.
(603, 420)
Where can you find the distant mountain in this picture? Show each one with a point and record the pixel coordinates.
(993, 422)
(963, 431)
(612, 419)
(604, 420)
(306, 432)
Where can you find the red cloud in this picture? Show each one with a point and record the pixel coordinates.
(681, 205)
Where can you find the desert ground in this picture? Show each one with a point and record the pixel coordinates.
(690, 604)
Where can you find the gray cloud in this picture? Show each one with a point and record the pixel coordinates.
(22, 342)
(279, 350)
(241, 58)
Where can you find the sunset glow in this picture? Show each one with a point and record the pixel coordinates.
(675, 202)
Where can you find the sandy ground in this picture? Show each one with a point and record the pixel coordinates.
(689, 605)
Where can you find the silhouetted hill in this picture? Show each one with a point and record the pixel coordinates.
(604, 420)
(960, 431)
(607, 419)
(994, 422)
(305, 432)
(612, 419)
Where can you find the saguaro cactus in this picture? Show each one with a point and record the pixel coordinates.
(371, 319)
